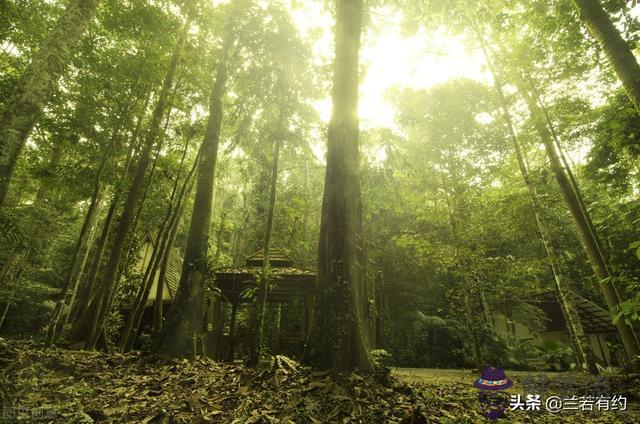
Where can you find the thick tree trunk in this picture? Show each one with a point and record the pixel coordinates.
(184, 323)
(98, 312)
(618, 51)
(31, 94)
(254, 355)
(336, 340)
(584, 232)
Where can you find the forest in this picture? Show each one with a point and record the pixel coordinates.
(314, 211)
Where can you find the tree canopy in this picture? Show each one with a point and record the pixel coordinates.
(439, 165)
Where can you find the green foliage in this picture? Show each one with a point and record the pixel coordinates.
(433, 343)
(630, 308)
(444, 205)
(29, 305)
(381, 359)
(556, 356)
(145, 340)
(10, 234)
(521, 353)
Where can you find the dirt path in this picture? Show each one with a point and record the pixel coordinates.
(445, 376)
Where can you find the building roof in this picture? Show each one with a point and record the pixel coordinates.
(289, 282)
(255, 270)
(174, 271)
(594, 318)
(277, 258)
(174, 267)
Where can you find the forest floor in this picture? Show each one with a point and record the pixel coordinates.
(70, 386)
(450, 393)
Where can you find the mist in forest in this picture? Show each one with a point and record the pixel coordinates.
(286, 211)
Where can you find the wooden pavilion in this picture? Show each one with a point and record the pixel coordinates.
(597, 323)
(288, 284)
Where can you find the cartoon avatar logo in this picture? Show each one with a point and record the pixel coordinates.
(493, 401)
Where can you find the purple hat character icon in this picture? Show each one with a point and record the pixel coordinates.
(493, 379)
(493, 402)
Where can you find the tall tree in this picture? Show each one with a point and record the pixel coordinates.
(266, 265)
(87, 292)
(158, 306)
(337, 339)
(584, 231)
(38, 82)
(618, 51)
(80, 251)
(161, 251)
(185, 317)
(98, 311)
(581, 343)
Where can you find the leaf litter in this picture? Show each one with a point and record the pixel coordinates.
(73, 386)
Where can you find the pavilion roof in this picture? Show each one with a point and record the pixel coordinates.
(174, 266)
(289, 281)
(255, 270)
(594, 318)
(277, 258)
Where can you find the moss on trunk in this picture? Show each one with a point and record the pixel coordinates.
(39, 80)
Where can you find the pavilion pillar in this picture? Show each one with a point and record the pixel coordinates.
(232, 330)
(604, 354)
(309, 302)
(276, 341)
(215, 316)
(373, 315)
